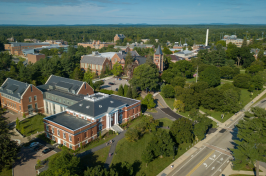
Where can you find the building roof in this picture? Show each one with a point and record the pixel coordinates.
(159, 50)
(121, 35)
(97, 104)
(108, 55)
(13, 88)
(68, 121)
(140, 59)
(27, 44)
(92, 60)
(175, 58)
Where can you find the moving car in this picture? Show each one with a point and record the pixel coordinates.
(47, 150)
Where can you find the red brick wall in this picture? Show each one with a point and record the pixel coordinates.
(10, 104)
(25, 99)
(87, 90)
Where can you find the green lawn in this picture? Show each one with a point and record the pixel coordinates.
(169, 102)
(261, 98)
(97, 158)
(131, 152)
(245, 96)
(248, 167)
(33, 124)
(152, 110)
(97, 143)
(6, 172)
(217, 114)
(190, 80)
(242, 71)
(165, 122)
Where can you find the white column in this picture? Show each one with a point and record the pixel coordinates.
(116, 117)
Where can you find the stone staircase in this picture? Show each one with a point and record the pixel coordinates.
(117, 128)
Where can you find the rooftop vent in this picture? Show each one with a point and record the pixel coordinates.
(87, 107)
(100, 106)
(80, 104)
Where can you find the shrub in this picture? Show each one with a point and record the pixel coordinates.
(132, 135)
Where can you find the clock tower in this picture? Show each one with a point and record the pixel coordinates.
(158, 59)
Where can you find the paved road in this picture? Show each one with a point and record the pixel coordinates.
(212, 158)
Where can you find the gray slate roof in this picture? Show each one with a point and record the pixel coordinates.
(92, 60)
(13, 88)
(140, 59)
(68, 121)
(103, 106)
(159, 50)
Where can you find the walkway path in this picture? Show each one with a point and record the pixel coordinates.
(210, 117)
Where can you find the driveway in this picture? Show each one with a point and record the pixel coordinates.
(28, 159)
(12, 117)
(115, 81)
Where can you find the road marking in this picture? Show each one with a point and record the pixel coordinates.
(213, 161)
(213, 168)
(189, 160)
(198, 165)
(220, 166)
(205, 164)
(160, 103)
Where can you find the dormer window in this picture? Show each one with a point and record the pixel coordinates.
(111, 102)
(100, 106)
(87, 107)
(80, 104)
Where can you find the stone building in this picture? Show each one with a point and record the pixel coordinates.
(158, 59)
(119, 37)
(96, 64)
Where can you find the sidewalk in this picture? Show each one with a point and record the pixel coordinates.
(210, 117)
(106, 78)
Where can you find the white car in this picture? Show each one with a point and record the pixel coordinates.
(34, 144)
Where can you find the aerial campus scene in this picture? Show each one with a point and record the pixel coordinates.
(132, 88)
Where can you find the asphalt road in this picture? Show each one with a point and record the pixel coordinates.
(212, 158)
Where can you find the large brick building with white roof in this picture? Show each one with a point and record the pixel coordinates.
(83, 121)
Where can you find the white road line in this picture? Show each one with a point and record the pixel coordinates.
(220, 166)
(213, 161)
(189, 160)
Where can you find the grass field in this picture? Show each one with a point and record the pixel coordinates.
(152, 110)
(245, 97)
(217, 114)
(169, 102)
(131, 152)
(97, 158)
(191, 80)
(242, 71)
(6, 172)
(261, 98)
(248, 167)
(32, 125)
(165, 122)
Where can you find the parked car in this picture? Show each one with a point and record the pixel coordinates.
(110, 83)
(34, 144)
(38, 147)
(47, 150)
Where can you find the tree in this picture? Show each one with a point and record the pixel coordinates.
(9, 148)
(211, 75)
(230, 101)
(250, 147)
(168, 91)
(22, 130)
(148, 101)
(120, 91)
(254, 68)
(178, 81)
(167, 51)
(88, 76)
(222, 42)
(77, 74)
(257, 81)
(117, 69)
(182, 131)
(242, 81)
(17, 124)
(201, 127)
(179, 105)
(144, 77)
(135, 93)
(211, 98)
(147, 156)
(129, 92)
(63, 163)
(125, 90)
(100, 171)
(132, 135)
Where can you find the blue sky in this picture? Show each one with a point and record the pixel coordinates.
(49, 12)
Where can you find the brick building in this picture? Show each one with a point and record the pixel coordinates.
(21, 97)
(17, 47)
(33, 58)
(82, 122)
(120, 57)
(119, 37)
(95, 44)
(96, 64)
(158, 59)
(59, 93)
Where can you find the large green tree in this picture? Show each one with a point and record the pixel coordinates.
(144, 77)
(242, 81)
(168, 91)
(117, 69)
(211, 75)
(182, 131)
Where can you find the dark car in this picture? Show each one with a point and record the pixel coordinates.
(38, 147)
(110, 83)
(47, 150)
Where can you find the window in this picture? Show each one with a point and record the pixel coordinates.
(29, 99)
(79, 115)
(61, 108)
(47, 134)
(85, 134)
(35, 98)
(53, 130)
(133, 111)
(36, 106)
(86, 141)
(79, 145)
(64, 135)
(58, 133)
(70, 146)
(64, 143)
(47, 128)
(74, 114)
(53, 138)
(78, 139)
(70, 138)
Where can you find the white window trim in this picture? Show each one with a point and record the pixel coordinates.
(64, 135)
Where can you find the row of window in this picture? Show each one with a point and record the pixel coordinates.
(53, 111)
(91, 66)
(64, 101)
(34, 97)
(10, 97)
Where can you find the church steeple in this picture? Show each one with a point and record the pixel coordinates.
(158, 58)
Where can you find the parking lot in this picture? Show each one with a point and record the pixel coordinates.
(25, 165)
(115, 81)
